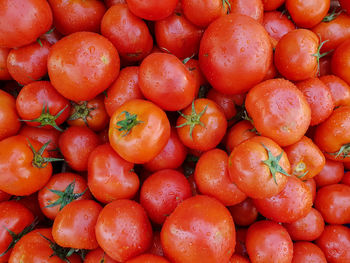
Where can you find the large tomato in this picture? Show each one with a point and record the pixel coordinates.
(341, 61)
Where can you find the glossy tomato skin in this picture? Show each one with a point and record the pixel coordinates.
(74, 225)
(238, 133)
(213, 179)
(16, 32)
(76, 144)
(307, 252)
(332, 173)
(279, 111)
(244, 213)
(277, 24)
(59, 182)
(152, 10)
(238, 259)
(147, 138)
(148, 258)
(128, 33)
(335, 238)
(340, 90)
(98, 255)
(110, 3)
(78, 15)
(346, 179)
(16, 160)
(267, 242)
(345, 5)
(206, 224)
(341, 61)
(233, 63)
(110, 177)
(123, 230)
(9, 120)
(252, 8)
(270, 5)
(82, 65)
(28, 63)
(4, 73)
(14, 217)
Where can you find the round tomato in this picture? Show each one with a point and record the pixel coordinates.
(339, 89)
(307, 252)
(252, 8)
(148, 258)
(9, 120)
(341, 61)
(4, 73)
(98, 255)
(332, 173)
(238, 133)
(152, 9)
(244, 213)
(277, 24)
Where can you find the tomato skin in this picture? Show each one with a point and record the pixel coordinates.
(345, 5)
(346, 179)
(267, 242)
(213, 179)
(16, 32)
(335, 238)
(340, 90)
(238, 259)
(307, 252)
(146, 140)
(226, 102)
(341, 61)
(156, 248)
(123, 230)
(98, 255)
(78, 15)
(332, 173)
(199, 221)
(238, 133)
(110, 3)
(76, 144)
(311, 185)
(74, 225)
(82, 65)
(252, 8)
(152, 9)
(277, 24)
(148, 258)
(16, 159)
(110, 177)
(193, 66)
(244, 213)
(235, 70)
(270, 5)
(4, 73)
(279, 111)
(9, 120)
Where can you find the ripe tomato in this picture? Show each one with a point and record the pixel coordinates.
(307, 252)
(345, 5)
(152, 9)
(123, 230)
(82, 65)
(128, 33)
(244, 213)
(233, 63)
(238, 259)
(332, 173)
(252, 8)
(139, 130)
(277, 24)
(346, 179)
(23, 21)
(148, 258)
(238, 133)
(60, 190)
(74, 225)
(311, 185)
(272, 4)
(4, 73)
(200, 229)
(110, 3)
(9, 122)
(340, 90)
(110, 177)
(268, 242)
(77, 15)
(98, 255)
(279, 111)
(341, 61)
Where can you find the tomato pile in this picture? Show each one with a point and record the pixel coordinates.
(184, 131)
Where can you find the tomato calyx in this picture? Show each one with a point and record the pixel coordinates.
(65, 197)
(333, 15)
(192, 119)
(46, 118)
(299, 170)
(273, 163)
(187, 59)
(81, 111)
(47, 33)
(17, 237)
(343, 152)
(318, 55)
(128, 123)
(227, 2)
(38, 160)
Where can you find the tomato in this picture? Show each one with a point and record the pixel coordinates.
(110, 3)
(24, 165)
(258, 166)
(152, 9)
(60, 190)
(213, 179)
(193, 66)
(240, 249)
(139, 130)
(9, 121)
(4, 73)
(148, 258)
(74, 225)
(82, 65)
(36, 19)
(238, 133)
(77, 15)
(200, 229)
(272, 4)
(277, 24)
(244, 213)
(32, 203)
(40, 105)
(238, 259)
(308, 14)
(332, 173)
(51, 36)
(340, 90)
(4, 196)
(202, 120)
(90, 113)
(123, 230)
(345, 5)
(128, 33)
(325, 66)
(335, 238)
(333, 203)
(233, 63)
(110, 177)
(311, 185)
(346, 179)
(306, 158)
(98, 255)
(333, 135)
(307, 252)
(267, 242)
(341, 61)
(252, 8)
(38, 246)
(307, 228)
(279, 111)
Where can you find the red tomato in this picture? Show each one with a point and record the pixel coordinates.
(98, 255)
(244, 213)
(123, 230)
(148, 258)
(23, 21)
(82, 65)
(238, 259)
(110, 3)
(240, 249)
(340, 90)
(233, 63)
(200, 229)
(32, 203)
(311, 185)
(272, 4)
(268, 242)
(193, 66)
(152, 9)
(345, 5)
(252, 8)
(346, 179)
(4, 73)
(277, 24)
(238, 133)
(9, 120)
(307, 252)
(341, 61)
(332, 173)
